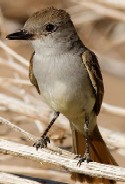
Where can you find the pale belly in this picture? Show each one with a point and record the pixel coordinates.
(66, 88)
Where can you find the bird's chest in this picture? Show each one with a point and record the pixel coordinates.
(62, 81)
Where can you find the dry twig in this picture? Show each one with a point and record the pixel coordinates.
(6, 178)
(119, 111)
(13, 53)
(31, 137)
(101, 9)
(35, 171)
(110, 137)
(46, 156)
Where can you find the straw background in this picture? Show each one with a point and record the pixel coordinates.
(101, 26)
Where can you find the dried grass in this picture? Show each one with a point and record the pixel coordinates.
(95, 20)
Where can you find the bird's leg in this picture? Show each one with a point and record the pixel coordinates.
(86, 157)
(44, 140)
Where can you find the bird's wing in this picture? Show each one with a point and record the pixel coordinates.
(91, 63)
(31, 74)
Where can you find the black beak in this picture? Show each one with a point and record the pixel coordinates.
(20, 35)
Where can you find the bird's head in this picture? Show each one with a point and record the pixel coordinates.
(47, 22)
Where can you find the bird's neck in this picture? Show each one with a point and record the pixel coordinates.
(57, 45)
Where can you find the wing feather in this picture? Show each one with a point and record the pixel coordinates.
(91, 63)
(31, 74)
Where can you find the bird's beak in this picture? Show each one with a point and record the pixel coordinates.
(20, 35)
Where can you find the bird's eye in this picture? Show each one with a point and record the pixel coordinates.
(50, 27)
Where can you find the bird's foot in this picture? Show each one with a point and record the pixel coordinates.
(86, 158)
(78, 157)
(42, 142)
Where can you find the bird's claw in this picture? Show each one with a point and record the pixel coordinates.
(42, 143)
(85, 158)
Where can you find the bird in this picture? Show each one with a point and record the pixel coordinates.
(67, 75)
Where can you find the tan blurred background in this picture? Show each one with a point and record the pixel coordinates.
(101, 26)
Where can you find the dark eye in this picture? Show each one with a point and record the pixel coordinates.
(50, 27)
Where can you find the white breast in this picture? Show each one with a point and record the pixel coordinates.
(63, 82)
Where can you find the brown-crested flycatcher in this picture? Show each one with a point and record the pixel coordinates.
(67, 74)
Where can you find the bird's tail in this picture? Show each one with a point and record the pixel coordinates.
(98, 152)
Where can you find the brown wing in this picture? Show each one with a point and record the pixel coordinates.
(31, 75)
(91, 63)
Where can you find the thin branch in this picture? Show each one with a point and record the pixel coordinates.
(114, 139)
(113, 109)
(19, 106)
(14, 54)
(117, 4)
(81, 17)
(109, 136)
(6, 178)
(18, 129)
(107, 63)
(101, 9)
(17, 67)
(15, 81)
(43, 173)
(60, 161)
(31, 137)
